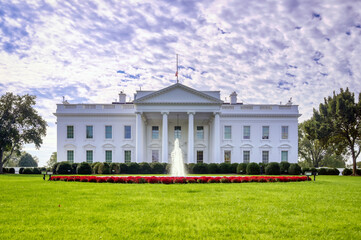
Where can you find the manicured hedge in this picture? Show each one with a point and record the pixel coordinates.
(84, 168)
(64, 168)
(273, 168)
(253, 169)
(294, 169)
(241, 169)
(284, 166)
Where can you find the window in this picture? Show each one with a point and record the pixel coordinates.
(89, 131)
(227, 132)
(155, 155)
(89, 156)
(108, 132)
(155, 132)
(127, 132)
(200, 132)
(265, 132)
(246, 132)
(127, 156)
(227, 156)
(108, 156)
(284, 132)
(284, 156)
(69, 131)
(70, 156)
(265, 156)
(177, 132)
(199, 156)
(246, 156)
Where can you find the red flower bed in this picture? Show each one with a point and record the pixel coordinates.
(180, 180)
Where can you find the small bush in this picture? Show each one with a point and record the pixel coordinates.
(305, 169)
(11, 170)
(145, 168)
(294, 169)
(234, 168)
(322, 171)
(55, 166)
(157, 168)
(104, 168)
(284, 166)
(114, 168)
(253, 169)
(84, 168)
(213, 168)
(36, 170)
(225, 168)
(190, 167)
(273, 168)
(27, 171)
(200, 168)
(74, 166)
(133, 168)
(242, 168)
(347, 172)
(21, 170)
(262, 167)
(123, 168)
(333, 171)
(95, 167)
(63, 168)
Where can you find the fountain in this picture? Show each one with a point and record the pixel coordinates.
(177, 168)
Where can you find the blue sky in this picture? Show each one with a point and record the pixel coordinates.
(267, 51)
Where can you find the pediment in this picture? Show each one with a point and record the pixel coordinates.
(88, 146)
(127, 146)
(108, 145)
(227, 146)
(69, 146)
(200, 145)
(285, 146)
(246, 146)
(154, 145)
(265, 146)
(178, 94)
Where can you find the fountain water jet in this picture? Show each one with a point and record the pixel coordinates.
(177, 168)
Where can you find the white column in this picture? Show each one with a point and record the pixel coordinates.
(191, 137)
(165, 137)
(216, 138)
(139, 138)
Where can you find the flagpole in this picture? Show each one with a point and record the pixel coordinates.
(177, 70)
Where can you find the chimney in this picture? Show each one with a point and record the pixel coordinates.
(122, 97)
(233, 98)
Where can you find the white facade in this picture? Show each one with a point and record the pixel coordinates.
(209, 130)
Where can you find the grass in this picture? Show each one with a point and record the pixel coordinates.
(31, 208)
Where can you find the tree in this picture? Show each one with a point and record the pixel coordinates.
(52, 160)
(313, 153)
(337, 123)
(27, 160)
(19, 124)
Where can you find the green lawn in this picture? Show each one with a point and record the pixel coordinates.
(31, 208)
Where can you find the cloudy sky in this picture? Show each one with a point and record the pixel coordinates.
(268, 51)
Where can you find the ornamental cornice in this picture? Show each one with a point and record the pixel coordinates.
(261, 115)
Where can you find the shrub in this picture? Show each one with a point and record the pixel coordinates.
(313, 170)
(145, 168)
(294, 169)
(36, 170)
(110, 180)
(63, 168)
(114, 168)
(104, 168)
(225, 168)
(191, 180)
(95, 167)
(213, 168)
(347, 172)
(27, 171)
(84, 168)
(333, 171)
(305, 169)
(21, 170)
(322, 171)
(11, 170)
(123, 168)
(133, 168)
(241, 168)
(55, 166)
(284, 166)
(141, 180)
(253, 169)
(273, 168)
(234, 168)
(74, 166)
(190, 167)
(358, 172)
(262, 167)
(157, 168)
(200, 168)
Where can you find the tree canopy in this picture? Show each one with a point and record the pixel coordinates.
(52, 160)
(337, 123)
(26, 160)
(20, 124)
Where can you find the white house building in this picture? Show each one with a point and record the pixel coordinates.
(209, 130)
